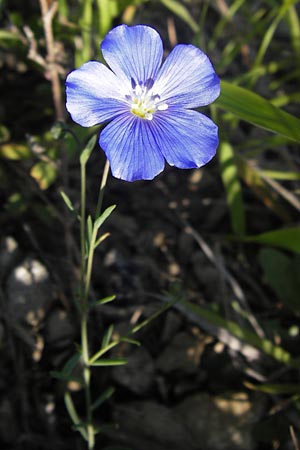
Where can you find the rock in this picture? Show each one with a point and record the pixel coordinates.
(58, 328)
(138, 374)
(149, 425)
(58, 334)
(220, 423)
(182, 355)
(29, 292)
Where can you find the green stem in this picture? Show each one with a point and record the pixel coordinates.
(87, 378)
(85, 283)
(84, 312)
(82, 231)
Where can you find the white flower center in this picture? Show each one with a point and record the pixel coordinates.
(143, 101)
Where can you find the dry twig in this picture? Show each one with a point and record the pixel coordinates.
(48, 13)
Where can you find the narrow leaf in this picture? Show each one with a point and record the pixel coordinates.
(265, 345)
(104, 300)
(294, 25)
(73, 415)
(110, 362)
(281, 175)
(229, 174)
(104, 216)
(107, 337)
(67, 200)
(134, 330)
(101, 239)
(269, 33)
(65, 377)
(286, 238)
(84, 52)
(103, 397)
(130, 341)
(71, 364)
(89, 230)
(105, 16)
(182, 12)
(253, 108)
(86, 153)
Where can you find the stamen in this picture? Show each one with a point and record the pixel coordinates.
(143, 102)
(133, 83)
(149, 83)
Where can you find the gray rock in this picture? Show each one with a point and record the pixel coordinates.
(138, 374)
(220, 423)
(149, 426)
(58, 330)
(29, 292)
(182, 355)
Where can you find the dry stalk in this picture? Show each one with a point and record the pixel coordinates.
(48, 10)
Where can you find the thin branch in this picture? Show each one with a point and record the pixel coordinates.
(48, 13)
(33, 53)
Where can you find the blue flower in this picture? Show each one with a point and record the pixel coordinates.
(149, 105)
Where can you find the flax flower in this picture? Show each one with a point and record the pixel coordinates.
(148, 105)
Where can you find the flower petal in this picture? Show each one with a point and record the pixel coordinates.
(187, 78)
(131, 148)
(93, 94)
(186, 138)
(133, 52)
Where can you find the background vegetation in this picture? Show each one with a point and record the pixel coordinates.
(222, 242)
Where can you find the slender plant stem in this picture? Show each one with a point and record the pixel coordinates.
(87, 379)
(85, 283)
(82, 231)
(48, 12)
(84, 311)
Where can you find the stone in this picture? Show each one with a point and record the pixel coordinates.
(221, 422)
(182, 355)
(148, 425)
(58, 328)
(138, 374)
(29, 292)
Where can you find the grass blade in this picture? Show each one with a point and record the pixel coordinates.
(255, 109)
(265, 345)
(182, 12)
(229, 174)
(286, 238)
